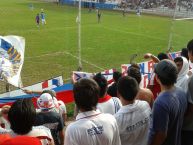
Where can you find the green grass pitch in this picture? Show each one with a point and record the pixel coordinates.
(51, 50)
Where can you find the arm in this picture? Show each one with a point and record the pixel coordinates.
(153, 57)
(159, 138)
(52, 142)
(61, 134)
(61, 129)
(32, 92)
(73, 79)
(64, 116)
(159, 124)
(189, 110)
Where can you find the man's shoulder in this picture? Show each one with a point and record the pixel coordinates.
(49, 114)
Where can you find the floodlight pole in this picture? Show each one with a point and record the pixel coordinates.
(79, 36)
(172, 26)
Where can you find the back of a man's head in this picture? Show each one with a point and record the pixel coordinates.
(162, 56)
(184, 53)
(102, 83)
(116, 76)
(190, 50)
(22, 116)
(127, 88)
(178, 59)
(134, 72)
(86, 94)
(166, 71)
(190, 46)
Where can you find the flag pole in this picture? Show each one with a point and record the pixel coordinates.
(79, 37)
(172, 27)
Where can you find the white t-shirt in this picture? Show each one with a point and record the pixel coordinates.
(93, 128)
(3, 131)
(109, 104)
(133, 121)
(62, 108)
(41, 132)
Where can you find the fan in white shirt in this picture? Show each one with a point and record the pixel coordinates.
(91, 127)
(106, 103)
(134, 116)
(183, 69)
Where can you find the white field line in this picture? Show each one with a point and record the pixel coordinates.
(68, 53)
(180, 19)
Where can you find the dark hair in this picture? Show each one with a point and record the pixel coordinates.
(128, 88)
(102, 82)
(169, 80)
(184, 53)
(167, 72)
(178, 59)
(51, 92)
(162, 56)
(22, 116)
(86, 94)
(116, 75)
(190, 46)
(134, 72)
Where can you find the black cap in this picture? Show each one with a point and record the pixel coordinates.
(166, 69)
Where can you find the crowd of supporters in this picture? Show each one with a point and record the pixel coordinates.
(147, 4)
(121, 114)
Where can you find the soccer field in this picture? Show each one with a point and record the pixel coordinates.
(52, 50)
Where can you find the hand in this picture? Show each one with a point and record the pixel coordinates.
(73, 79)
(147, 55)
(27, 91)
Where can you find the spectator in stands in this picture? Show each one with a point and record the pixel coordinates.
(183, 69)
(91, 126)
(22, 140)
(106, 103)
(143, 93)
(169, 107)
(184, 53)
(22, 116)
(112, 90)
(187, 131)
(60, 107)
(4, 122)
(133, 118)
(49, 118)
(153, 85)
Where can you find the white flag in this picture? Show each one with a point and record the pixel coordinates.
(11, 59)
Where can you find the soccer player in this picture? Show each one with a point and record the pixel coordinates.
(38, 20)
(98, 15)
(43, 17)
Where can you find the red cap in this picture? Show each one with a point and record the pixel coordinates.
(22, 140)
